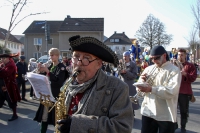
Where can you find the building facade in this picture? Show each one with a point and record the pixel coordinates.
(119, 43)
(13, 44)
(60, 31)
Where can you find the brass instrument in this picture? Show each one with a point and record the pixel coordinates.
(122, 65)
(150, 80)
(47, 64)
(61, 111)
(177, 63)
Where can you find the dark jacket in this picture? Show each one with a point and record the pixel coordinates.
(57, 79)
(22, 68)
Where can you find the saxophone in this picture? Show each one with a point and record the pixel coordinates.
(150, 80)
(61, 111)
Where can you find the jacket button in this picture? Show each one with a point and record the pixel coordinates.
(91, 130)
(104, 109)
(107, 92)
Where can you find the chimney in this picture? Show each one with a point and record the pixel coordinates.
(115, 32)
(68, 16)
(123, 32)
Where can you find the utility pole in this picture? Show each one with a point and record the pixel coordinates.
(47, 36)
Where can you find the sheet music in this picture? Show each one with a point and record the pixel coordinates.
(40, 84)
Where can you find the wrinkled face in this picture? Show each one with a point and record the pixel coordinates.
(54, 57)
(4, 60)
(87, 64)
(182, 57)
(158, 60)
(126, 58)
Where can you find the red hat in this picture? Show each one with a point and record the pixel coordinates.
(8, 56)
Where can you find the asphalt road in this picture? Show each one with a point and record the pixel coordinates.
(26, 112)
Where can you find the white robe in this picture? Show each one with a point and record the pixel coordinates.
(161, 103)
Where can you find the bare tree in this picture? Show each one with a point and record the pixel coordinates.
(16, 18)
(193, 41)
(196, 13)
(152, 32)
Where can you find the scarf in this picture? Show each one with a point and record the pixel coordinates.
(74, 88)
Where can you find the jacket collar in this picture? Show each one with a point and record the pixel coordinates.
(101, 80)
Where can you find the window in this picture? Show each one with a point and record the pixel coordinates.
(50, 41)
(116, 40)
(37, 41)
(111, 40)
(36, 55)
(65, 54)
(117, 48)
(124, 48)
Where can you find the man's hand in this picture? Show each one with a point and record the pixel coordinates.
(143, 77)
(183, 73)
(123, 71)
(64, 125)
(146, 88)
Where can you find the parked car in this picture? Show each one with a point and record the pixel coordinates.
(45, 58)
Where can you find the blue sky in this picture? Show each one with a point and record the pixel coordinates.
(120, 16)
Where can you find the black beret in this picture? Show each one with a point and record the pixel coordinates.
(159, 50)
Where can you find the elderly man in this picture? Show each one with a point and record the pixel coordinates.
(189, 75)
(99, 102)
(159, 107)
(8, 85)
(129, 75)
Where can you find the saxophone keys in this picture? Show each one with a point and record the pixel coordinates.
(75, 108)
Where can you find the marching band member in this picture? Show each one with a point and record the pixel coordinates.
(189, 75)
(57, 74)
(128, 75)
(96, 102)
(159, 107)
(8, 84)
(22, 69)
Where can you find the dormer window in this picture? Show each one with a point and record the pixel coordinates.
(112, 40)
(116, 40)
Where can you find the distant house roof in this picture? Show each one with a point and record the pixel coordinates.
(82, 24)
(20, 38)
(38, 27)
(11, 38)
(69, 24)
(123, 39)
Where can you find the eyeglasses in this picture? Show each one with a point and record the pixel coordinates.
(84, 61)
(155, 58)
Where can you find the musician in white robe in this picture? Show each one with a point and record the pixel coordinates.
(159, 107)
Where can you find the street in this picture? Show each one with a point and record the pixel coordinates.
(26, 112)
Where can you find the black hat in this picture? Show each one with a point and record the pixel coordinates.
(22, 57)
(95, 47)
(8, 56)
(158, 50)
